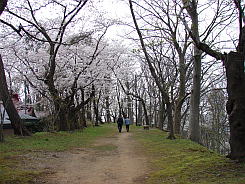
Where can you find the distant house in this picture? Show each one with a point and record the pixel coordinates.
(26, 112)
(4, 117)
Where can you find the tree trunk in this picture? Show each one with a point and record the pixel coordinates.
(96, 100)
(194, 133)
(130, 108)
(150, 108)
(3, 4)
(16, 122)
(235, 106)
(170, 120)
(83, 111)
(161, 114)
(1, 125)
(136, 101)
(96, 112)
(177, 117)
(83, 117)
(182, 92)
(140, 114)
(89, 111)
(108, 115)
(145, 113)
(155, 113)
(61, 121)
(136, 112)
(72, 118)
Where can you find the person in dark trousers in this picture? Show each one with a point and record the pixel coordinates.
(120, 124)
(127, 123)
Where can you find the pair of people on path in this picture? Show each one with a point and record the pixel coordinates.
(120, 122)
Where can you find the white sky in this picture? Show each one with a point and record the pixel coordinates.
(117, 9)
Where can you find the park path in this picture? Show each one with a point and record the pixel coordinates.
(111, 160)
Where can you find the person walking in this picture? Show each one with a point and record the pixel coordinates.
(127, 123)
(120, 124)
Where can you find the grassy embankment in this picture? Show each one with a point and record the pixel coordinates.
(181, 161)
(13, 149)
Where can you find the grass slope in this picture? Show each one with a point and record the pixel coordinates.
(181, 161)
(11, 151)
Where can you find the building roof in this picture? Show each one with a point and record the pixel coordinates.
(27, 117)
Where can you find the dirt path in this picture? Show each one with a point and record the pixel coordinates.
(113, 160)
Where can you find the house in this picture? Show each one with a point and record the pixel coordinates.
(26, 112)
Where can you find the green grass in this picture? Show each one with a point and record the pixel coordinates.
(13, 147)
(181, 161)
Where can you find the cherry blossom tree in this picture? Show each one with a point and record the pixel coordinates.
(63, 66)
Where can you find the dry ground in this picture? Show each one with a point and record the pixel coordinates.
(112, 160)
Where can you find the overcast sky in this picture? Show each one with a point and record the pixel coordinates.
(117, 9)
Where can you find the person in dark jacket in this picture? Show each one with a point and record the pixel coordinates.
(120, 124)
